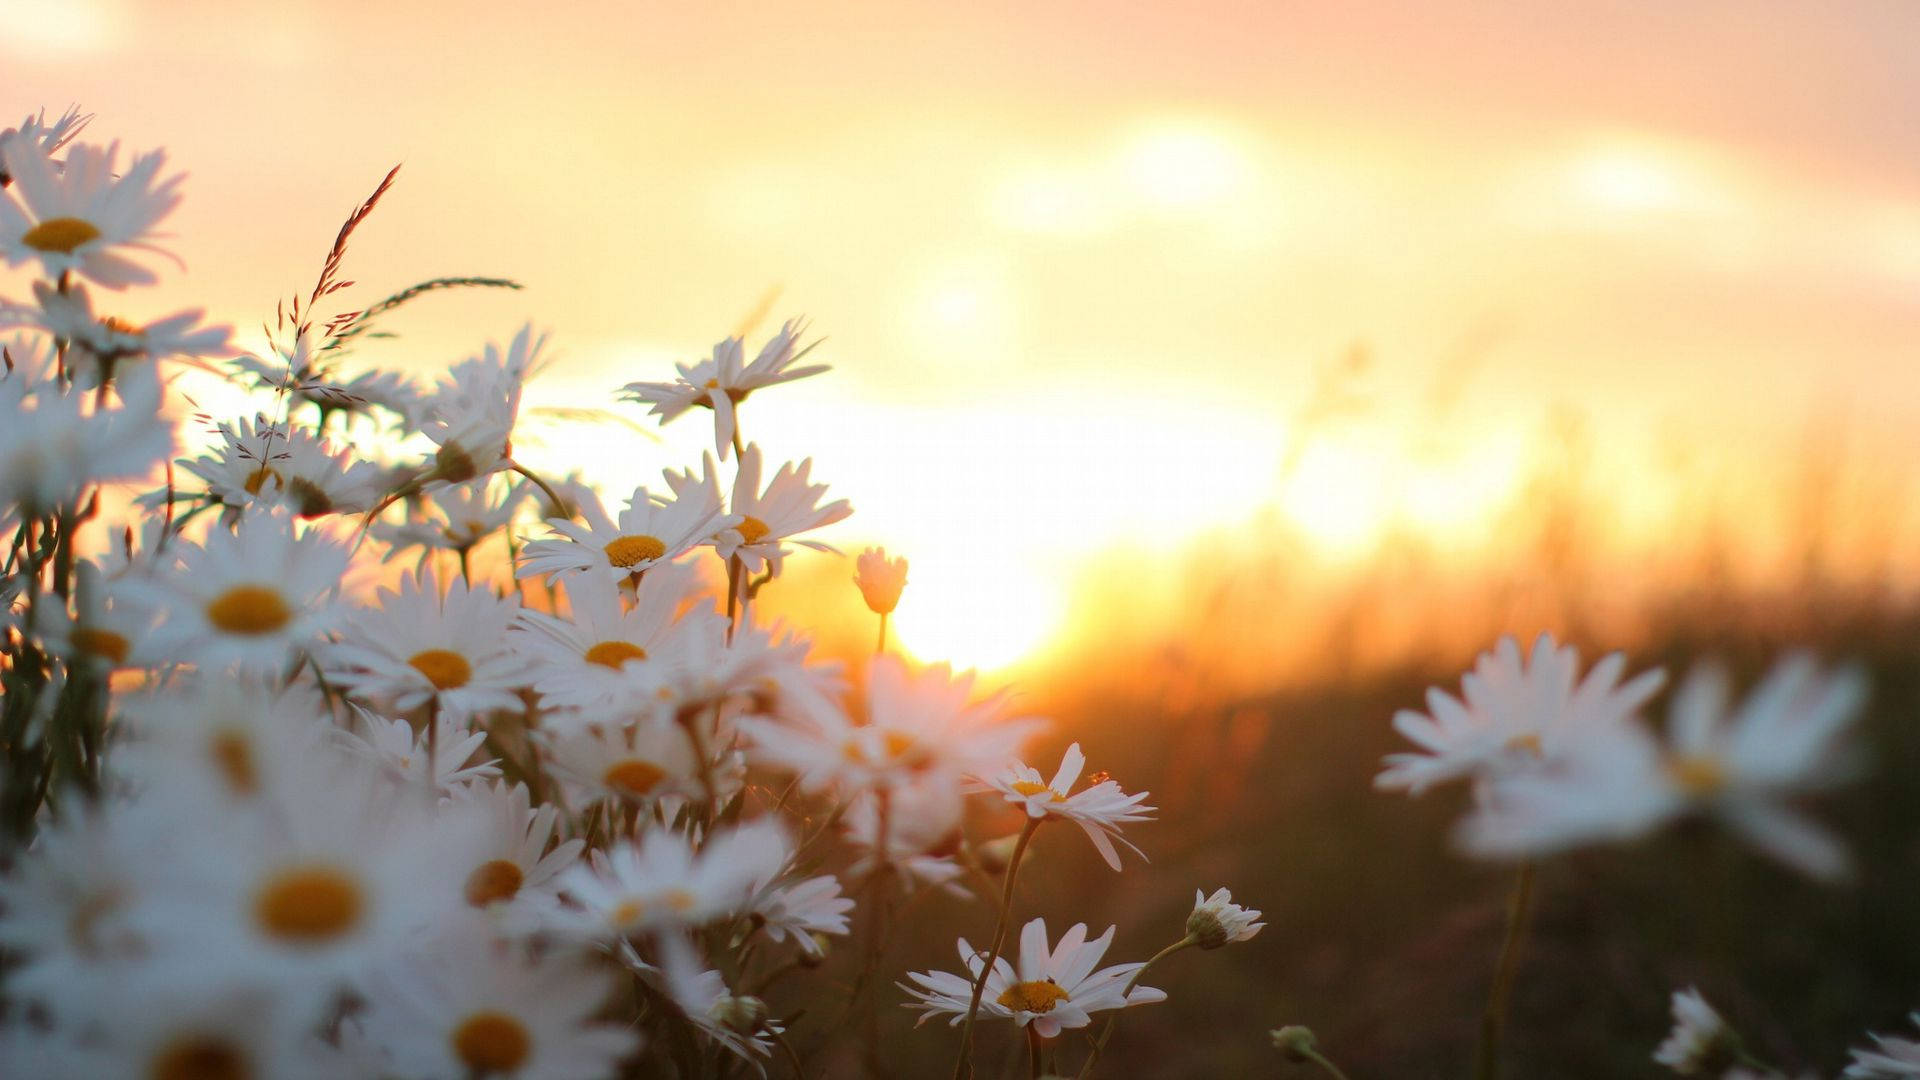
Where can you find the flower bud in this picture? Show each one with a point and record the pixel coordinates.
(1295, 1041)
(880, 579)
(742, 1014)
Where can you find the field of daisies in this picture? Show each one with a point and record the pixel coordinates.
(335, 742)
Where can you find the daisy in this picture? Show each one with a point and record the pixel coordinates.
(402, 755)
(1701, 1042)
(168, 1019)
(739, 1024)
(1099, 809)
(650, 531)
(455, 517)
(635, 762)
(1514, 713)
(880, 580)
(51, 137)
(260, 460)
(788, 506)
(429, 643)
(1737, 765)
(662, 883)
(583, 661)
(98, 345)
(76, 217)
(1891, 1059)
(208, 744)
(103, 631)
(66, 904)
(469, 1005)
(55, 442)
(922, 833)
(246, 597)
(802, 909)
(296, 370)
(1053, 990)
(724, 381)
(470, 415)
(518, 836)
(1216, 920)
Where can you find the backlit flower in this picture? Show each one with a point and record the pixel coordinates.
(1099, 809)
(1216, 920)
(724, 380)
(1054, 990)
(83, 216)
(880, 579)
(1701, 1042)
(648, 532)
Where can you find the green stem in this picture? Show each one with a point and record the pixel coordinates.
(1318, 1059)
(964, 1067)
(1493, 1020)
(1106, 1032)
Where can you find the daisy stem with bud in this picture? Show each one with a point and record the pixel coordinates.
(964, 1066)
(1106, 1032)
(1493, 1020)
(881, 648)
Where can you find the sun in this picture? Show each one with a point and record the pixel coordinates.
(973, 613)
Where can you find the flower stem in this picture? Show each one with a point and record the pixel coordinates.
(964, 1067)
(1319, 1059)
(1493, 1020)
(1033, 1053)
(1106, 1032)
(882, 646)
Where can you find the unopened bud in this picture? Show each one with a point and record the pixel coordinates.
(1295, 1041)
(742, 1014)
(880, 579)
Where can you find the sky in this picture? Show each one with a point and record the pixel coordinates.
(1091, 277)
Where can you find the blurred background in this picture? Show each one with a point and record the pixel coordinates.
(1229, 372)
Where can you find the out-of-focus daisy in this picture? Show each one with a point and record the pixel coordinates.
(246, 597)
(1217, 921)
(1738, 765)
(66, 905)
(1701, 1042)
(1515, 713)
(471, 413)
(428, 642)
(1099, 809)
(581, 661)
(725, 379)
(55, 442)
(455, 517)
(103, 630)
(880, 580)
(402, 754)
(631, 762)
(51, 138)
(297, 370)
(516, 855)
(1890, 1059)
(648, 532)
(802, 909)
(97, 346)
(662, 883)
(922, 833)
(1051, 989)
(79, 217)
(468, 1005)
(167, 1020)
(213, 742)
(737, 1023)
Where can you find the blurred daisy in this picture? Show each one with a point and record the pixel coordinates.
(103, 630)
(297, 371)
(1701, 1042)
(169, 1019)
(662, 882)
(402, 754)
(67, 905)
(630, 762)
(880, 580)
(1891, 1059)
(801, 909)
(470, 1006)
(51, 138)
(1053, 990)
(649, 531)
(246, 597)
(209, 743)
(454, 517)
(1738, 765)
(55, 442)
(519, 852)
(429, 643)
(97, 346)
(1099, 809)
(922, 833)
(724, 381)
(738, 1024)
(470, 415)
(1217, 921)
(1514, 713)
(78, 217)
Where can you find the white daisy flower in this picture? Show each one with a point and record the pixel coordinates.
(583, 661)
(401, 754)
(1515, 713)
(104, 630)
(263, 461)
(97, 346)
(78, 217)
(631, 762)
(922, 833)
(788, 506)
(428, 643)
(518, 838)
(723, 381)
(880, 580)
(650, 531)
(1891, 1059)
(470, 1006)
(50, 137)
(661, 883)
(1701, 1042)
(470, 415)
(298, 371)
(1099, 809)
(66, 905)
(455, 517)
(802, 909)
(169, 1019)
(247, 597)
(55, 443)
(738, 1024)
(209, 743)
(1739, 767)
(1216, 920)
(1053, 990)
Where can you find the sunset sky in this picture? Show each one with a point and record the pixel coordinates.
(1088, 273)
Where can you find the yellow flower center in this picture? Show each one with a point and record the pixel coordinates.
(627, 912)
(679, 900)
(249, 610)
(751, 529)
(1528, 743)
(492, 882)
(490, 1042)
(628, 551)
(61, 234)
(1033, 997)
(258, 478)
(309, 905)
(1698, 775)
(633, 776)
(200, 1057)
(118, 325)
(444, 668)
(1028, 787)
(232, 755)
(613, 654)
(103, 644)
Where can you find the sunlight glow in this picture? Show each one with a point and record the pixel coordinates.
(1180, 166)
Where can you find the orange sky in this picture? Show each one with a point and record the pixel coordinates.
(1080, 265)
